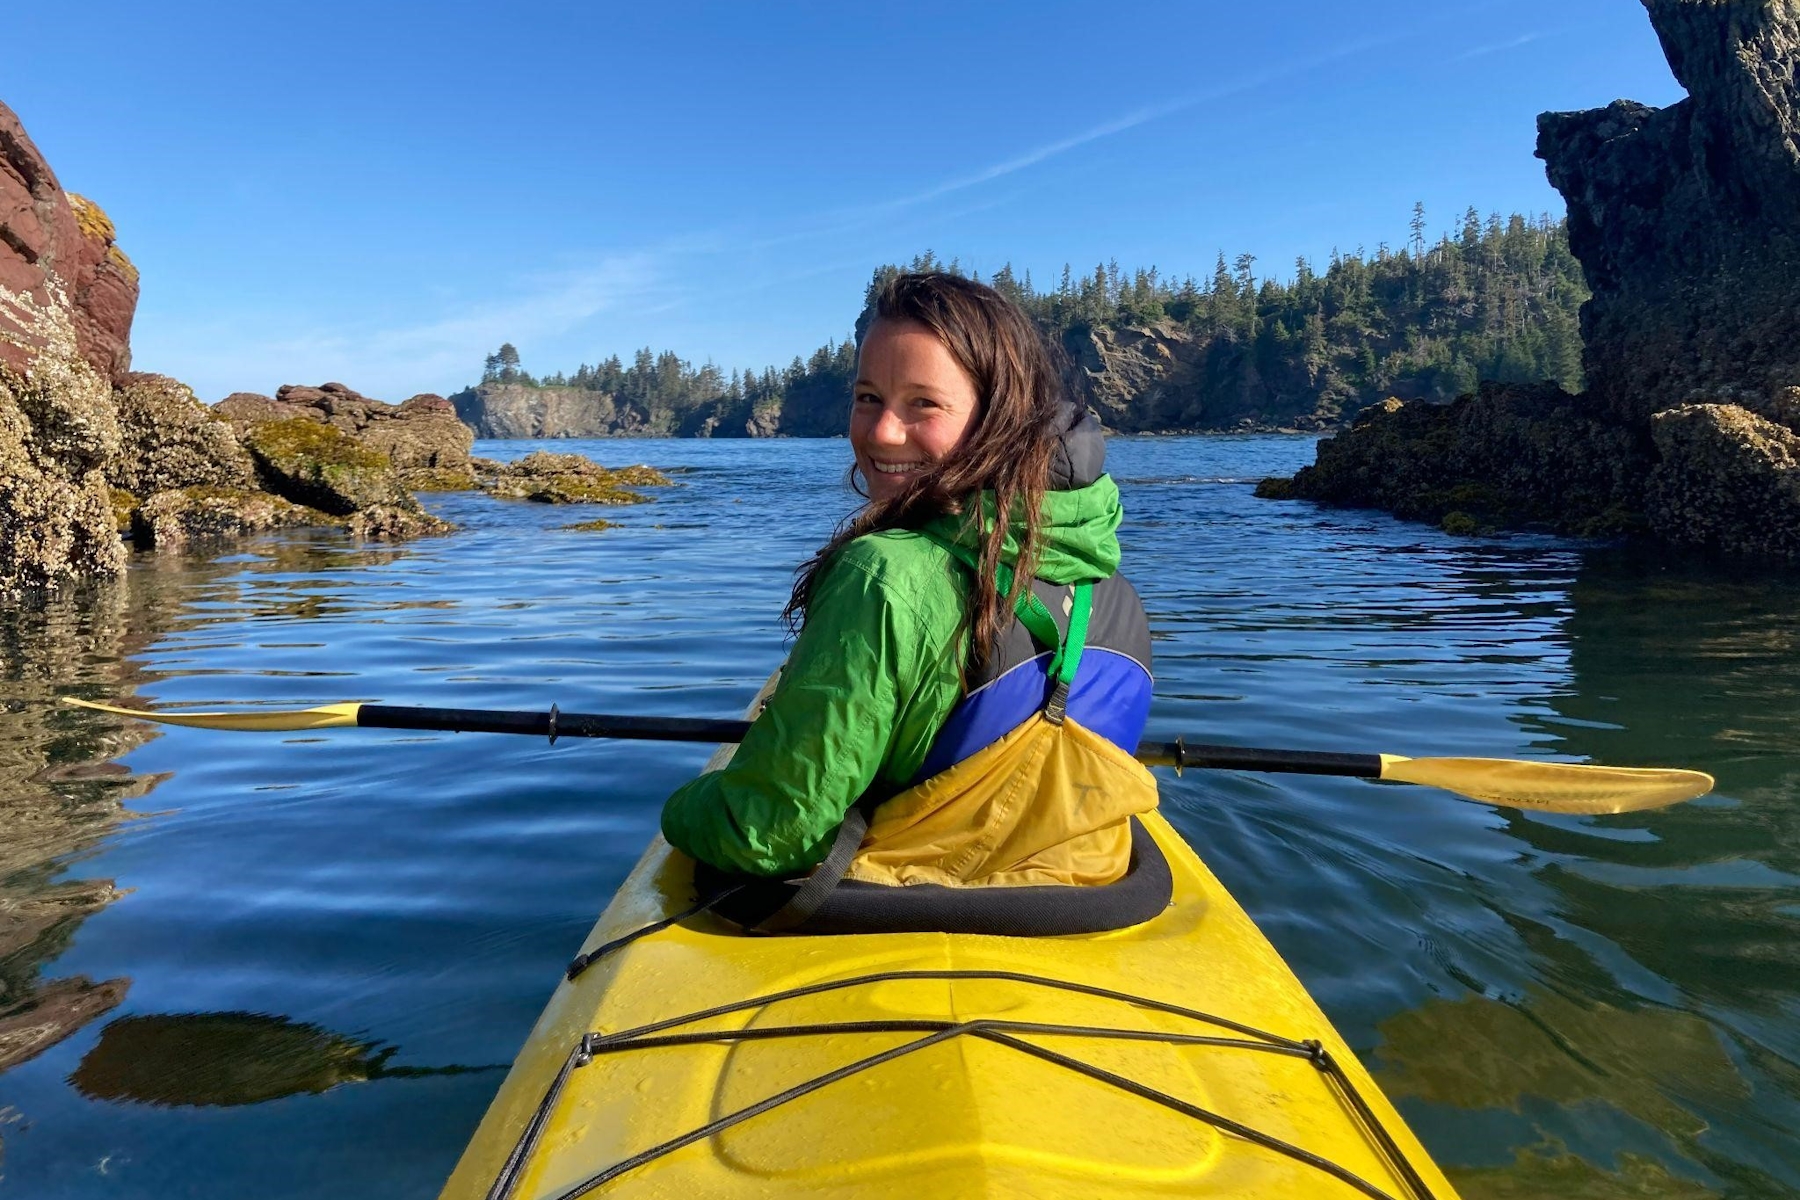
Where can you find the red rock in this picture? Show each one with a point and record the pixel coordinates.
(52, 238)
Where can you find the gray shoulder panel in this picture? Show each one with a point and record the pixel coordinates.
(1118, 623)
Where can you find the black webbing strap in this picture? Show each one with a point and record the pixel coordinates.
(584, 961)
(817, 886)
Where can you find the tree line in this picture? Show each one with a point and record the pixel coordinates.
(1494, 298)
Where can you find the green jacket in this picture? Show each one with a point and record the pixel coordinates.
(872, 677)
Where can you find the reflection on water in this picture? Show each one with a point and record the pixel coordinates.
(1585, 1007)
(230, 1058)
(59, 795)
(1643, 1038)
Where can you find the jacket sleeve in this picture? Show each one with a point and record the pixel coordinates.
(821, 740)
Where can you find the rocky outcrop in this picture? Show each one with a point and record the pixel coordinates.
(567, 479)
(88, 449)
(1508, 455)
(1685, 218)
(58, 248)
(1686, 224)
(66, 301)
(1138, 375)
(201, 516)
(1157, 376)
(58, 429)
(318, 465)
(169, 440)
(420, 438)
(514, 410)
(1726, 480)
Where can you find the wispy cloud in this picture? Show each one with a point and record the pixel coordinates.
(1135, 118)
(1497, 47)
(396, 359)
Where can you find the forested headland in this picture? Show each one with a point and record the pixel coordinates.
(1493, 299)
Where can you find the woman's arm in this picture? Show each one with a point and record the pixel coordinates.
(859, 700)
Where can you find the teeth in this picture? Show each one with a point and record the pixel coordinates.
(897, 468)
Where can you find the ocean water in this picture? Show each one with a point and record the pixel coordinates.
(296, 965)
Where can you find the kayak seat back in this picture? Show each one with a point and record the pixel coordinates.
(1041, 910)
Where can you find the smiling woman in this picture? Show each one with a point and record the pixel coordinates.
(942, 626)
(913, 404)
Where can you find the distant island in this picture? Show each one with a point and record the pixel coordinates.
(1497, 300)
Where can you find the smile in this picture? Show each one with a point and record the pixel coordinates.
(896, 468)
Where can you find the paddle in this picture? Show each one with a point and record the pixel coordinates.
(1544, 786)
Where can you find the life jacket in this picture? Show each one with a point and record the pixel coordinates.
(1031, 780)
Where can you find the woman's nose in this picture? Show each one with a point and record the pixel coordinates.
(889, 429)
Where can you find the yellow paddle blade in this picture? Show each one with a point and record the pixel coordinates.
(328, 717)
(1551, 787)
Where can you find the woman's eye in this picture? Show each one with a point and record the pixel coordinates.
(867, 398)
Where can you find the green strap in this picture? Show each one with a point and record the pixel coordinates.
(1068, 658)
(1035, 617)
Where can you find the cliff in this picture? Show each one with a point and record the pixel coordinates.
(58, 249)
(1685, 222)
(517, 410)
(1148, 376)
(1686, 219)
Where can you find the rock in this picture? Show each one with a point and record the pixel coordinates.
(1685, 223)
(815, 408)
(568, 479)
(1139, 376)
(58, 247)
(170, 440)
(179, 518)
(244, 409)
(1508, 455)
(395, 522)
(1728, 480)
(1684, 218)
(58, 428)
(515, 410)
(123, 505)
(432, 479)
(421, 437)
(319, 466)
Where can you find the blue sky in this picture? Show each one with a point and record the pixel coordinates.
(382, 193)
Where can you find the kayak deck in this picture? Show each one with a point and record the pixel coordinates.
(978, 1088)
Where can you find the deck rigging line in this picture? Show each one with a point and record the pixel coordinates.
(1001, 1032)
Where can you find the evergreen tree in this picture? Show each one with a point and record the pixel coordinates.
(1499, 300)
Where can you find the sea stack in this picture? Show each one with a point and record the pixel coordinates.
(1686, 221)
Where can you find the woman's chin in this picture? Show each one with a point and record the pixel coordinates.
(886, 487)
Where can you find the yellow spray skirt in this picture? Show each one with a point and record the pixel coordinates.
(1046, 804)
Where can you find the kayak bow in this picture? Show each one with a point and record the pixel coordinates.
(683, 1058)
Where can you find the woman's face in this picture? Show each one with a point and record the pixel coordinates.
(912, 404)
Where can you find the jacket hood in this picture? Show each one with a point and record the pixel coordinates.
(1080, 454)
(1080, 532)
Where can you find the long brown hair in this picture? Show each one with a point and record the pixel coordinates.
(1006, 449)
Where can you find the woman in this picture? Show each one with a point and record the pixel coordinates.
(916, 662)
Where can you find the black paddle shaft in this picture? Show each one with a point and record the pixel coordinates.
(555, 724)
(552, 724)
(1180, 753)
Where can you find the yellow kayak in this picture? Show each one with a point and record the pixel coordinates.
(1179, 1057)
